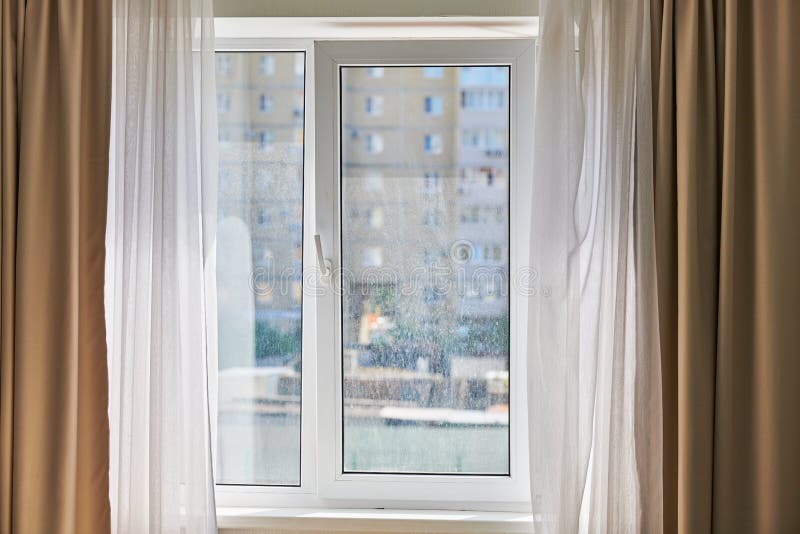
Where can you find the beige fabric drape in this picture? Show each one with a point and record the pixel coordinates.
(56, 89)
(727, 130)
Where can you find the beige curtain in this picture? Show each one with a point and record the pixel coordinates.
(56, 90)
(727, 127)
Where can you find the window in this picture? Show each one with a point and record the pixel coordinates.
(495, 139)
(224, 66)
(223, 102)
(264, 103)
(373, 257)
(497, 252)
(260, 320)
(433, 217)
(265, 139)
(495, 99)
(483, 99)
(432, 72)
(373, 105)
(433, 184)
(397, 378)
(433, 144)
(483, 76)
(266, 65)
(375, 217)
(373, 143)
(415, 358)
(433, 105)
(473, 178)
(492, 139)
(470, 214)
(471, 137)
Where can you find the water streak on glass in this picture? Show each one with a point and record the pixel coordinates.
(260, 99)
(425, 269)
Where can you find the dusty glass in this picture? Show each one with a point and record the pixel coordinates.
(260, 99)
(425, 269)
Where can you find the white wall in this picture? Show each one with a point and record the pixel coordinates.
(375, 8)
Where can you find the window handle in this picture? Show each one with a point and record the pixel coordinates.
(323, 264)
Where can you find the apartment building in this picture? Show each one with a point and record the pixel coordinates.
(260, 113)
(424, 164)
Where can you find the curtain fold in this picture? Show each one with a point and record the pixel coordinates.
(594, 384)
(160, 269)
(55, 101)
(727, 133)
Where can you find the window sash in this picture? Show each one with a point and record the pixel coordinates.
(322, 481)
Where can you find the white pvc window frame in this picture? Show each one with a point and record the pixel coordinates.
(322, 481)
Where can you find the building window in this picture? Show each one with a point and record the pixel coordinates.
(495, 99)
(375, 217)
(433, 218)
(433, 184)
(494, 139)
(432, 72)
(265, 139)
(373, 143)
(223, 103)
(482, 77)
(497, 253)
(264, 103)
(471, 138)
(433, 144)
(470, 214)
(373, 105)
(373, 257)
(483, 99)
(224, 65)
(374, 72)
(472, 177)
(491, 139)
(433, 105)
(266, 65)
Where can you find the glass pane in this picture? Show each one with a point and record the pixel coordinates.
(259, 265)
(425, 264)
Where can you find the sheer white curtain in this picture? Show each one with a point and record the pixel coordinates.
(594, 363)
(160, 267)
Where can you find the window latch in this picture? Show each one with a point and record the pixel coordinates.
(325, 266)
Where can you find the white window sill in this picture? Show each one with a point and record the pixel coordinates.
(346, 520)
